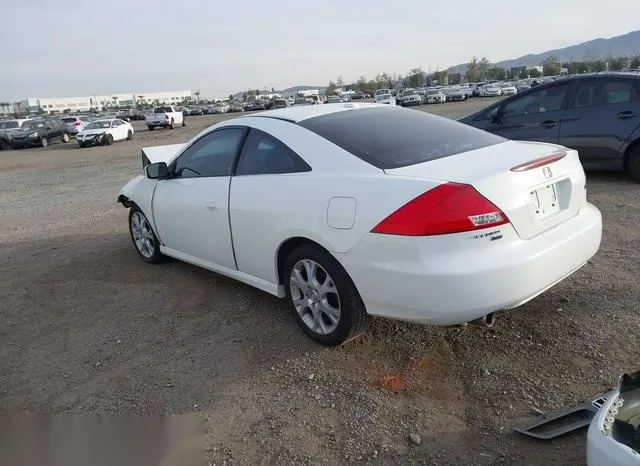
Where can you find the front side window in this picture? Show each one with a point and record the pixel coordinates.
(263, 154)
(550, 99)
(211, 155)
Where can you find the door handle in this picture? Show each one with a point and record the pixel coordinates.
(626, 115)
(548, 123)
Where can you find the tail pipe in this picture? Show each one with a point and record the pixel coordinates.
(484, 321)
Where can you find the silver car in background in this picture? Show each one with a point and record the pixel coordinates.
(75, 124)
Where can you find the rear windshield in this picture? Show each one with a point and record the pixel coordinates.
(68, 119)
(392, 137)
(8, 124)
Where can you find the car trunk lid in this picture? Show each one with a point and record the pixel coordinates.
(534, 196)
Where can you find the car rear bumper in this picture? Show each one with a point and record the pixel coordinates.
(451, 279)
(157, 123)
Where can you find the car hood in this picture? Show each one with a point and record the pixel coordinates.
(90, 132)
(160, 153)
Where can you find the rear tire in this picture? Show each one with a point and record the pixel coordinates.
(326, 305)
(171, 125)
(65, 137)
(151, 128)
(633, 164)
(3, 144)
(184, 122)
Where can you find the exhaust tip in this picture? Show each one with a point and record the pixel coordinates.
(485, 321)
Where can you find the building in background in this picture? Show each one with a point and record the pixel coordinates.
(33, 105)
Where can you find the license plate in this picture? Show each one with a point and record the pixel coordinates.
(544, 201)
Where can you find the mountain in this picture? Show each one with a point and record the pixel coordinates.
(626, 45)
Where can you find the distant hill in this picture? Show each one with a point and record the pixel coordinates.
(625, 45)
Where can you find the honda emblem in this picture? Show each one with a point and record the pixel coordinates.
(547, 172)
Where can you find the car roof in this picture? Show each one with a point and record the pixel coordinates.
(301, 113)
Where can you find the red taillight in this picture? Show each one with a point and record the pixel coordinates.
(447, 208)
(536, 163)
(76, 123)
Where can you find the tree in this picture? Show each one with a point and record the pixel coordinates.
(551, 66)
(66, 111)
(257, 93)
(244, 96)
(339, 82)
(635, 62)
(440, 77)
(331, 88)
(598, 65)
(534, 73)
(415, 78)
(472, 71)
(497, 73)
(618, 64)
(483, 66)
(231, 97)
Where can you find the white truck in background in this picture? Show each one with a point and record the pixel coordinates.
(165, 117)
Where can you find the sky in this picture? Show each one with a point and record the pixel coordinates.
(52, 48)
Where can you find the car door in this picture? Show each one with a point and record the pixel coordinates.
(121, 130)
(532, 116)
(602, 114)
(267, 174)
(191, 208)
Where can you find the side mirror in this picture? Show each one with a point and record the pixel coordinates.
(496, 115)
(157, 171)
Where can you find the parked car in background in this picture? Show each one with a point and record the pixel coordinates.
(467, 90)
(105, 132)
(598, 115)
(280, 103)
(301, 101)
(475, 87)
(333, 99)
(40, 132)
(196, 110)
(236, 106)
(383, 96)
(490, 90)
(75, 124)
(124, 114)
(7, 128)
(435, 96)
(409, 97)
(522, 86)
(165, 117)
(336, 265)
(454, 93)
(221, 107)
(508, 89)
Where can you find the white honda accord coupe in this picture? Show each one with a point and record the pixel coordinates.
(357, 210)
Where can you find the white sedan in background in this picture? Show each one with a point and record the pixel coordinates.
(436, 96)
(490, 90)
(104, 132)
(357, 210)
(383, 96)
(508, 89)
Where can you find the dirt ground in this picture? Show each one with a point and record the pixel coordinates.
(88, 328)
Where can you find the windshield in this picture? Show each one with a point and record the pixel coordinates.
(32, 126)
(99, 125)
(68, 119)
(409, 92)
(8, 124)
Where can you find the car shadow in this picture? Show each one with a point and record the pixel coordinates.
(89, 327)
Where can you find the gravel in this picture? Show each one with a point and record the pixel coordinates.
(88, 328)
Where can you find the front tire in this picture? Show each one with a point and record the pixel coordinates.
(44, 142)
(171, 125)
(108, 139)
(151, 128)
(184, 122)
(129, 135)
(633, 164)
(323, 299)
(65, 137)
(143, 237)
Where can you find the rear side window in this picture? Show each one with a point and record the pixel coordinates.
(392, 137)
